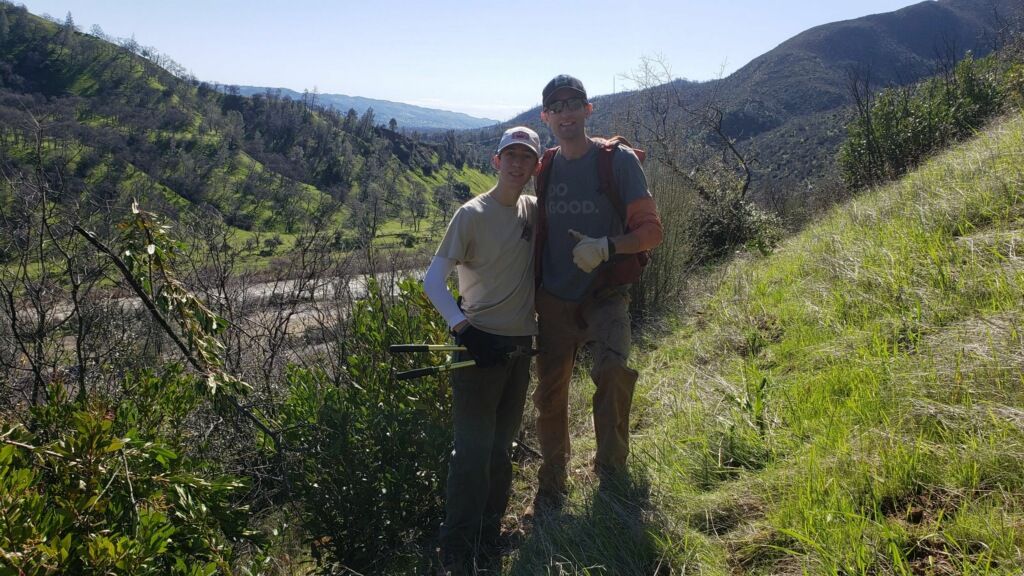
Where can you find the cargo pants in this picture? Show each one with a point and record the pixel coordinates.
(487, 410)
(601, 322)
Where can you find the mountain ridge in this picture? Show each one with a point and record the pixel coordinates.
(408, 116)
(792, 100)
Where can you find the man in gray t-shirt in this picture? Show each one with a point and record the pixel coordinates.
(573, 202)
(582, 232)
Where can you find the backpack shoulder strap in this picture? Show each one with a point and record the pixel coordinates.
(627, 268)
(541, 228)
(616, 141)
(606, 175)
(606, 170)
(540, 183)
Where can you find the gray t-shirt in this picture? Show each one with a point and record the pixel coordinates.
(492, 246)
(574, 201)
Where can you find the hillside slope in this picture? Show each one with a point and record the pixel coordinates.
(809, 72)
(115, 125)
(852, 404)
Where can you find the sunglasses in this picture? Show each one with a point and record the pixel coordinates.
(567, 105)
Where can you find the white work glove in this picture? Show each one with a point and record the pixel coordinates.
(589, 252)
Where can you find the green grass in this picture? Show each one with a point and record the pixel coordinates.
(478, 182)
(852, 404)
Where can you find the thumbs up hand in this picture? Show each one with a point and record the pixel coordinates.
(589, 252)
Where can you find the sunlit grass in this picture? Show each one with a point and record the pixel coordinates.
(852, 404)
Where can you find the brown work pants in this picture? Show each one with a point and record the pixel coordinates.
(600, 322)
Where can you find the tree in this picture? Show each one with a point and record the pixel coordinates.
(697, 174)
(366, 213)
(393, 125)
(365, 127)
(444, 199)
(684, 136)
(860, 156)
(98, 32)
(310, 99)
(417, 204)
(66, 36)
(351, 118)
(5, 26)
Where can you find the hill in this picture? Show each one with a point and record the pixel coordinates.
(851, 404)
(786, 108)
(408, 116)
(113, 124)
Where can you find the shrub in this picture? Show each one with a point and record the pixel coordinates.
(1013, 82)
(99, 487)
(698, 231)
(374, 450)
(904, 125)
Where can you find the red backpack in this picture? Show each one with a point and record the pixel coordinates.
(623, 268)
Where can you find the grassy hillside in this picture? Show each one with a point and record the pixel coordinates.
(853, 404)
(115, 125)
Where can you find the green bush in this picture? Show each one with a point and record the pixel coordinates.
(722, 225)
(374, 450)
(698, 231)
(902, 126)
(1013, 82)
(95, 488)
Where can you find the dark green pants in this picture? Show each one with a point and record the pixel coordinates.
(487, 409)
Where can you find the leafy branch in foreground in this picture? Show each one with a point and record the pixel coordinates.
(95, 489)
(147, 264)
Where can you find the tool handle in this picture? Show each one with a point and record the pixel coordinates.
(403, 348)
(417, 373)
(431, 370)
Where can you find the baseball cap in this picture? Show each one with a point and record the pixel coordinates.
(562, 81)
(520, 135)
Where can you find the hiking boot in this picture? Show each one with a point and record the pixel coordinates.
(452, 564)
(502, 544)
(612, 480)
(545, 504)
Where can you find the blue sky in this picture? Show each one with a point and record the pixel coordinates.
(487, 59)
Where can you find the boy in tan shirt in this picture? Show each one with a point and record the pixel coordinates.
(490, 242)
